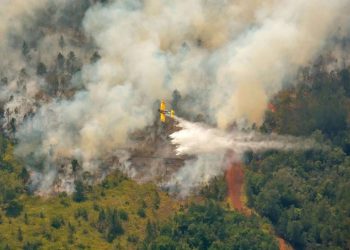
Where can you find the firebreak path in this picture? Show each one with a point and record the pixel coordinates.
(235, 178)
(235, 183)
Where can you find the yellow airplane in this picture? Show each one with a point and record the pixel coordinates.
(163, 112)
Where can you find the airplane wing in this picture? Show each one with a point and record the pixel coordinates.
(162, 111)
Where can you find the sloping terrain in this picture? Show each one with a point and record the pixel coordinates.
(235, 184)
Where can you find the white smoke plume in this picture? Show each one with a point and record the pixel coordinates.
(210, 146)
(196, 173)
(226, 58)
(196, 138)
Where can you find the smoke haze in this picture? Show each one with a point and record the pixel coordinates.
(226, 59)
(210, 145)
(196, 138)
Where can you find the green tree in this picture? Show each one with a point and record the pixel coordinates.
(32, 245)
(61, 42)
(209, 226)
(123, 215)
(19, 234)
(25, 49)
(60, 61)
(79, 194)
(75, 165)
(71, 231)
(151, 231)
(114, 226)
(95, 57)
(57, 221)
(26, 219)
(164, 243)
(14, 208)
(73, 64)
(141, 212)
(101, 223)
(41, 69)
(304, 195)
(156, 200)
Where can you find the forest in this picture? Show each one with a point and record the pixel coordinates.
(85, 162)
(306, 194)
(121, 214)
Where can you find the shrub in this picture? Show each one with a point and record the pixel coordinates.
(57, 221)
(141, 212)
(81, 212)
(14, 209)
(79, 194)
(123, 215)
(133, 238)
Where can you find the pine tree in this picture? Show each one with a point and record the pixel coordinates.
(71, 231)
(156, 200)
(41, 69)
(75, 165)
(95, 57)
(60, 61)
(26, 219)
(61, 42)
(79, 194)
(25, 49)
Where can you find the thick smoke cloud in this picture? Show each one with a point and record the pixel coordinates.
(11, 10)
(287, 36)
(211, 147)
(196, 138)
(226, 58)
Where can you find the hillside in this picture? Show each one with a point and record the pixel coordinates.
(118, 214)
(306, 194)
(81, 222)
(174, 125)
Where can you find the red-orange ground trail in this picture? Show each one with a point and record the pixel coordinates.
(235, 178)
(283, 245)
(235, 184)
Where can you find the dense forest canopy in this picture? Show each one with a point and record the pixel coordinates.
(306, 194)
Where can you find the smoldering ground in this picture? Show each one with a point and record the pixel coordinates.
(226, 58)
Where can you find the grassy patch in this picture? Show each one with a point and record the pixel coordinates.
(61, 223)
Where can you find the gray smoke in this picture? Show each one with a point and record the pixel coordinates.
(196, 138)
(210, 146)
(227, 58)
